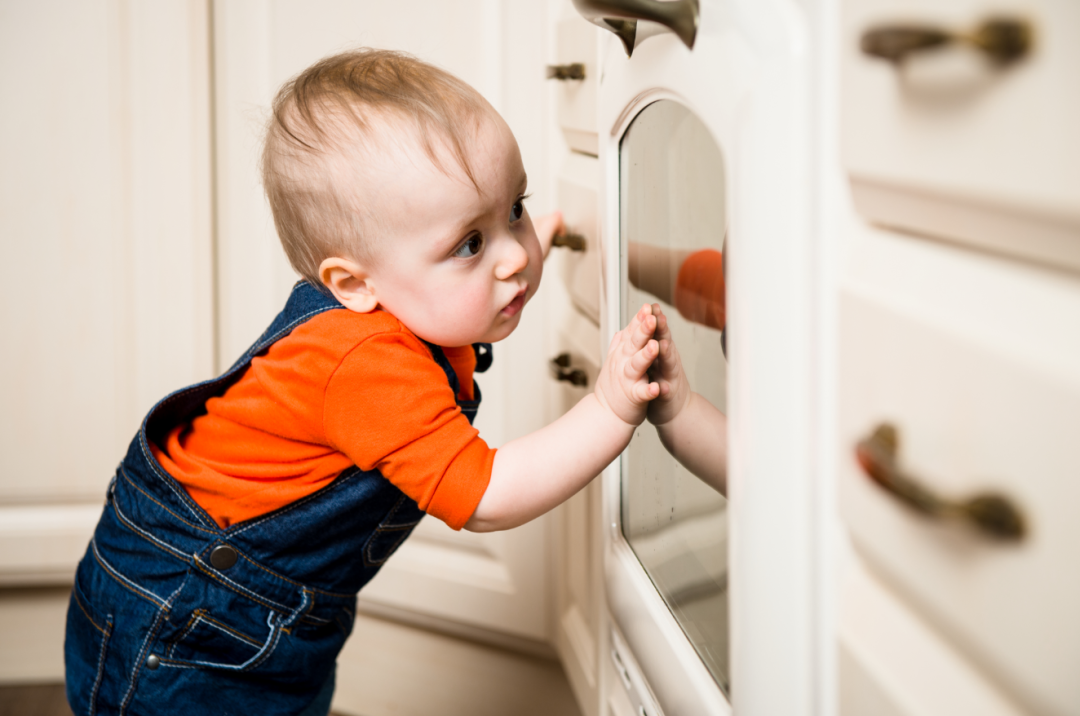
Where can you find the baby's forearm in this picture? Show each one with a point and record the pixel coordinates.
(697, 438)
(539, 471)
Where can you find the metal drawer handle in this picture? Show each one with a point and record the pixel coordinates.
(561, 370)
(621, 16)
(1004, 40)
(574, 242)
(573, 71)
(992, 514)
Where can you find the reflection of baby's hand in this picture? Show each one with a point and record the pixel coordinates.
(623, 384)
(668, 373)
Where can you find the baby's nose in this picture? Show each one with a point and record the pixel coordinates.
(513, 260)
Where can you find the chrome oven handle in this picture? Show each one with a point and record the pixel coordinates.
(621, 16)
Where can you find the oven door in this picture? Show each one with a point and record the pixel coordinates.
(710, 558)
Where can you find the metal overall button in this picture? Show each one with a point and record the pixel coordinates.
(152, 662)
(223, 556)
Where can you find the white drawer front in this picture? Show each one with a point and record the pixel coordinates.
(970, 420)
(577, 196)
(948, 145)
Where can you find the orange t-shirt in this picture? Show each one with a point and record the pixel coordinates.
(342, 389)
(699, 289)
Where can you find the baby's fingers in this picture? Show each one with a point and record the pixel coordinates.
(640, 361)
(643, 392)
(641, 328)
(662, 330)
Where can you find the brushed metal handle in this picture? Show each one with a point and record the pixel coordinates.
(574, 242)
(1003, 40)
(561, 370)
(992, 514)
(621, 16)
(573, 71)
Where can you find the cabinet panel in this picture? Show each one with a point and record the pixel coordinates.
(576, 99)
(891, 663)
(578, 200)
(105, 212)
(953, 145)
(971, 418)
(578, 581)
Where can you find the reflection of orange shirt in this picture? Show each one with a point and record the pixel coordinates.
(699, 289)
(342, 389)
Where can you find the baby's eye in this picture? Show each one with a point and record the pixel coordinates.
(471, 247)
(517, 210)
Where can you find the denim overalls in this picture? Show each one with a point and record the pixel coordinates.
(171, 614)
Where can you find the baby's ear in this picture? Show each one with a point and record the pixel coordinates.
(350, 284)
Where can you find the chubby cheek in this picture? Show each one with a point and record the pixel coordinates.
(458, 314)
(535, 270)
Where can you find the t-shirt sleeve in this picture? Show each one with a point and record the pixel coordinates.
(388, 406)
(699, 289)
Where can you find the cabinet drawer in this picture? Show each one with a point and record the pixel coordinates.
(949, 144)
(970, 419)
(577, 197)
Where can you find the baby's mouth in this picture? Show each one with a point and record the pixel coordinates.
(515, 306)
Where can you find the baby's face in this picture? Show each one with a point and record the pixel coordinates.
(455, 266)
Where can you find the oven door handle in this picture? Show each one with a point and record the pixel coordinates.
(621, 17)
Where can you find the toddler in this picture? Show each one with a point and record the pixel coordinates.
(250, 509)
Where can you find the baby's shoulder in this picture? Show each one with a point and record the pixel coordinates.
(343, 331)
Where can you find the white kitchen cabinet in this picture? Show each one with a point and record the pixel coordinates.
(959, 325)
(107, 281)
(950, 143)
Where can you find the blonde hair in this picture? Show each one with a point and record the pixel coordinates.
(327, 119)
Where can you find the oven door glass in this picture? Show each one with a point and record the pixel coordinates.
(672, 231)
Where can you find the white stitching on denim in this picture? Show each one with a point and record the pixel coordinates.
(370, 545)
(141, 658)
(118, 576)
(259, 656)
(168, 479)
(238, 587)
(135, 528)
(92, 708)
(202, 618)
(335, 485)
(306, 603)
(130, 481)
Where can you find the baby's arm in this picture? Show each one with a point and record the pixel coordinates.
(690, 427)
(539, 471)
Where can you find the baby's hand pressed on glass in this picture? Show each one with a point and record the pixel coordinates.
(667, 372)
(623, 385)
(533, 473)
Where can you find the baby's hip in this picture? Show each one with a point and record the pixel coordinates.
(153, 630)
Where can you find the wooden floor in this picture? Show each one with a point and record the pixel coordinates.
(35, 700)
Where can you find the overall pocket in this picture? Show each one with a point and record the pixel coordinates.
(212, 626)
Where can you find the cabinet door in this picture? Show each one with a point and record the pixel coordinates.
(742, 108)
(107, 279)
(491, 586)
(977, 411)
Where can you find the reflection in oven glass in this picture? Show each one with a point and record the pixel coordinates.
(674, 510)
